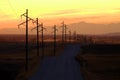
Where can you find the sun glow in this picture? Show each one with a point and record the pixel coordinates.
(53, 11)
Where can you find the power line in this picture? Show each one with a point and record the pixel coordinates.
(12, 8)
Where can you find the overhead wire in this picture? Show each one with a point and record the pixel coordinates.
(12, 8)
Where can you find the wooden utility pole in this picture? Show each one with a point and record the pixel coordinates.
(27, 39)
(54, 39)
(65, 33)
(37, 37)
(26, 22)
(42, 37)
(69, 36)
(74, 35)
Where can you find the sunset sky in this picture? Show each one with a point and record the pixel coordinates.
(52, 12)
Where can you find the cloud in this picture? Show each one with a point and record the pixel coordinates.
(116, 8)
(93, 17)
(63, 12)
(4, 16)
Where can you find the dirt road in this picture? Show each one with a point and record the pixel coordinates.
(64, 67)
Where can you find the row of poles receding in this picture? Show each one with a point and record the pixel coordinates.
(40, 25)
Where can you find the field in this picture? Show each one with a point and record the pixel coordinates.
(99, 56)
(99, 39)
(12, 56)
(100, 61)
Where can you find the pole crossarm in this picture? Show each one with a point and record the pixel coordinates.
(42, 28)
(29, 19)
(54, 29)
(23, 23)
(35, 28)
(39, 25)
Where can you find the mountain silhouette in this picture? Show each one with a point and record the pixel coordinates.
(94, 28)
(80, 28)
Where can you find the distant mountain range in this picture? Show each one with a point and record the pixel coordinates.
(92, 28)
(80, 28)
(113, 34)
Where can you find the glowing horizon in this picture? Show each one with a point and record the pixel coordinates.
(52, 12)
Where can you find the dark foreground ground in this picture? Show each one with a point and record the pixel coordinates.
(12, 58)
(92, 62)
(100, 61)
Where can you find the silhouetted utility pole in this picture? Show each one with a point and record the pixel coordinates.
(37, 24)
(54, 39)
(75, 36)
(26, 22)
(62, 32)
(26, 39)
(65, 32)
(69, 36)
(37, 37)
(42, 37)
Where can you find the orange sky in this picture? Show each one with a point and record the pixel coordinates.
(52, 12)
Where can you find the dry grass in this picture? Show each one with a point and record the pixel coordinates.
(9, 58)
(100, 67)
(36, 62)
(33, 66)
